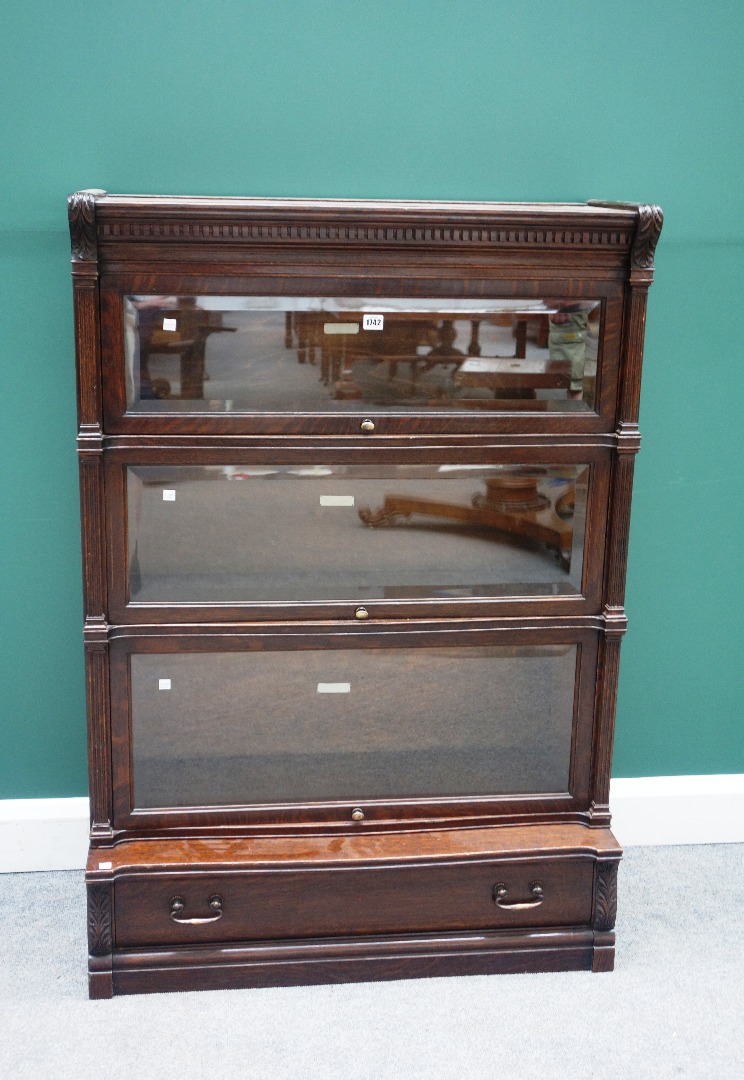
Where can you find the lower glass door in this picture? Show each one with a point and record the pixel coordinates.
(323, 724)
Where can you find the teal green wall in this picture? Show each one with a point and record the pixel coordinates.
(486, 99)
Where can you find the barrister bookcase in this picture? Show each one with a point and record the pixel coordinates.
(355, 483)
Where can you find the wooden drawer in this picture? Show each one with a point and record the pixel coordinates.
(271, 904)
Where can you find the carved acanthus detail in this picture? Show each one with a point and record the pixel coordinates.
(650, 220)
(605, 896)
(99, 920)
(81, 210)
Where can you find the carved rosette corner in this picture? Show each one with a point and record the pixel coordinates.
(650, 221)
(81, 211)
(100, 937)
(605, 896)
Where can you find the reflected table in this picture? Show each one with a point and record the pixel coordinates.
(187, 339)
(511, 504)
(402, 341)
(505, 375)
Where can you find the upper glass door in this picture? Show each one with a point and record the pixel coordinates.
(247, 354)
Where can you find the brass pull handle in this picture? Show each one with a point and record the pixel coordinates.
(361, 613)
(178, 903)
(368, 426)
(499, 896)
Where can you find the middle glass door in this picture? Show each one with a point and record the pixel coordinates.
(251, 535)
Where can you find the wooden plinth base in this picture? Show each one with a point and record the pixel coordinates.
(281, 911)
(295, 964)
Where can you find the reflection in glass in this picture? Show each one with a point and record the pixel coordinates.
(288, 354)
(242, 534)
(276, 727)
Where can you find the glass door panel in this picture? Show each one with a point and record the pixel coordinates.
(250, 534)
(329, 354)
(350, 724)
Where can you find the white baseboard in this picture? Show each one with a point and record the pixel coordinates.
(678, 809)
(52, 834)
(43, 834)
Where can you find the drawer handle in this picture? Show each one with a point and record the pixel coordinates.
(499, 896)
(178, 903)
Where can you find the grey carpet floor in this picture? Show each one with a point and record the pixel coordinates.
(674, 1007)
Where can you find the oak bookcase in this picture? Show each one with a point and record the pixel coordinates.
(355, 484)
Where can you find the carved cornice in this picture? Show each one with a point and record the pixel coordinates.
(329, 223)
(99, 920)
(605, 896)
(299, 230)
(81, 211)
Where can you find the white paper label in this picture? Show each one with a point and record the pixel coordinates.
(169, 495)
(334, 687)
(105, 865)
(164, 684)
(336, 500)
(341, 328)
(373, 322)
(169, 324)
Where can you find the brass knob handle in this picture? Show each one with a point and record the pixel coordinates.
(357, 815)
(499, 896)
(178, 903)
(368, 426)
(361, 613)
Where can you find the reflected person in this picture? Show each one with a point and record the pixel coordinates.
(567, 342)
